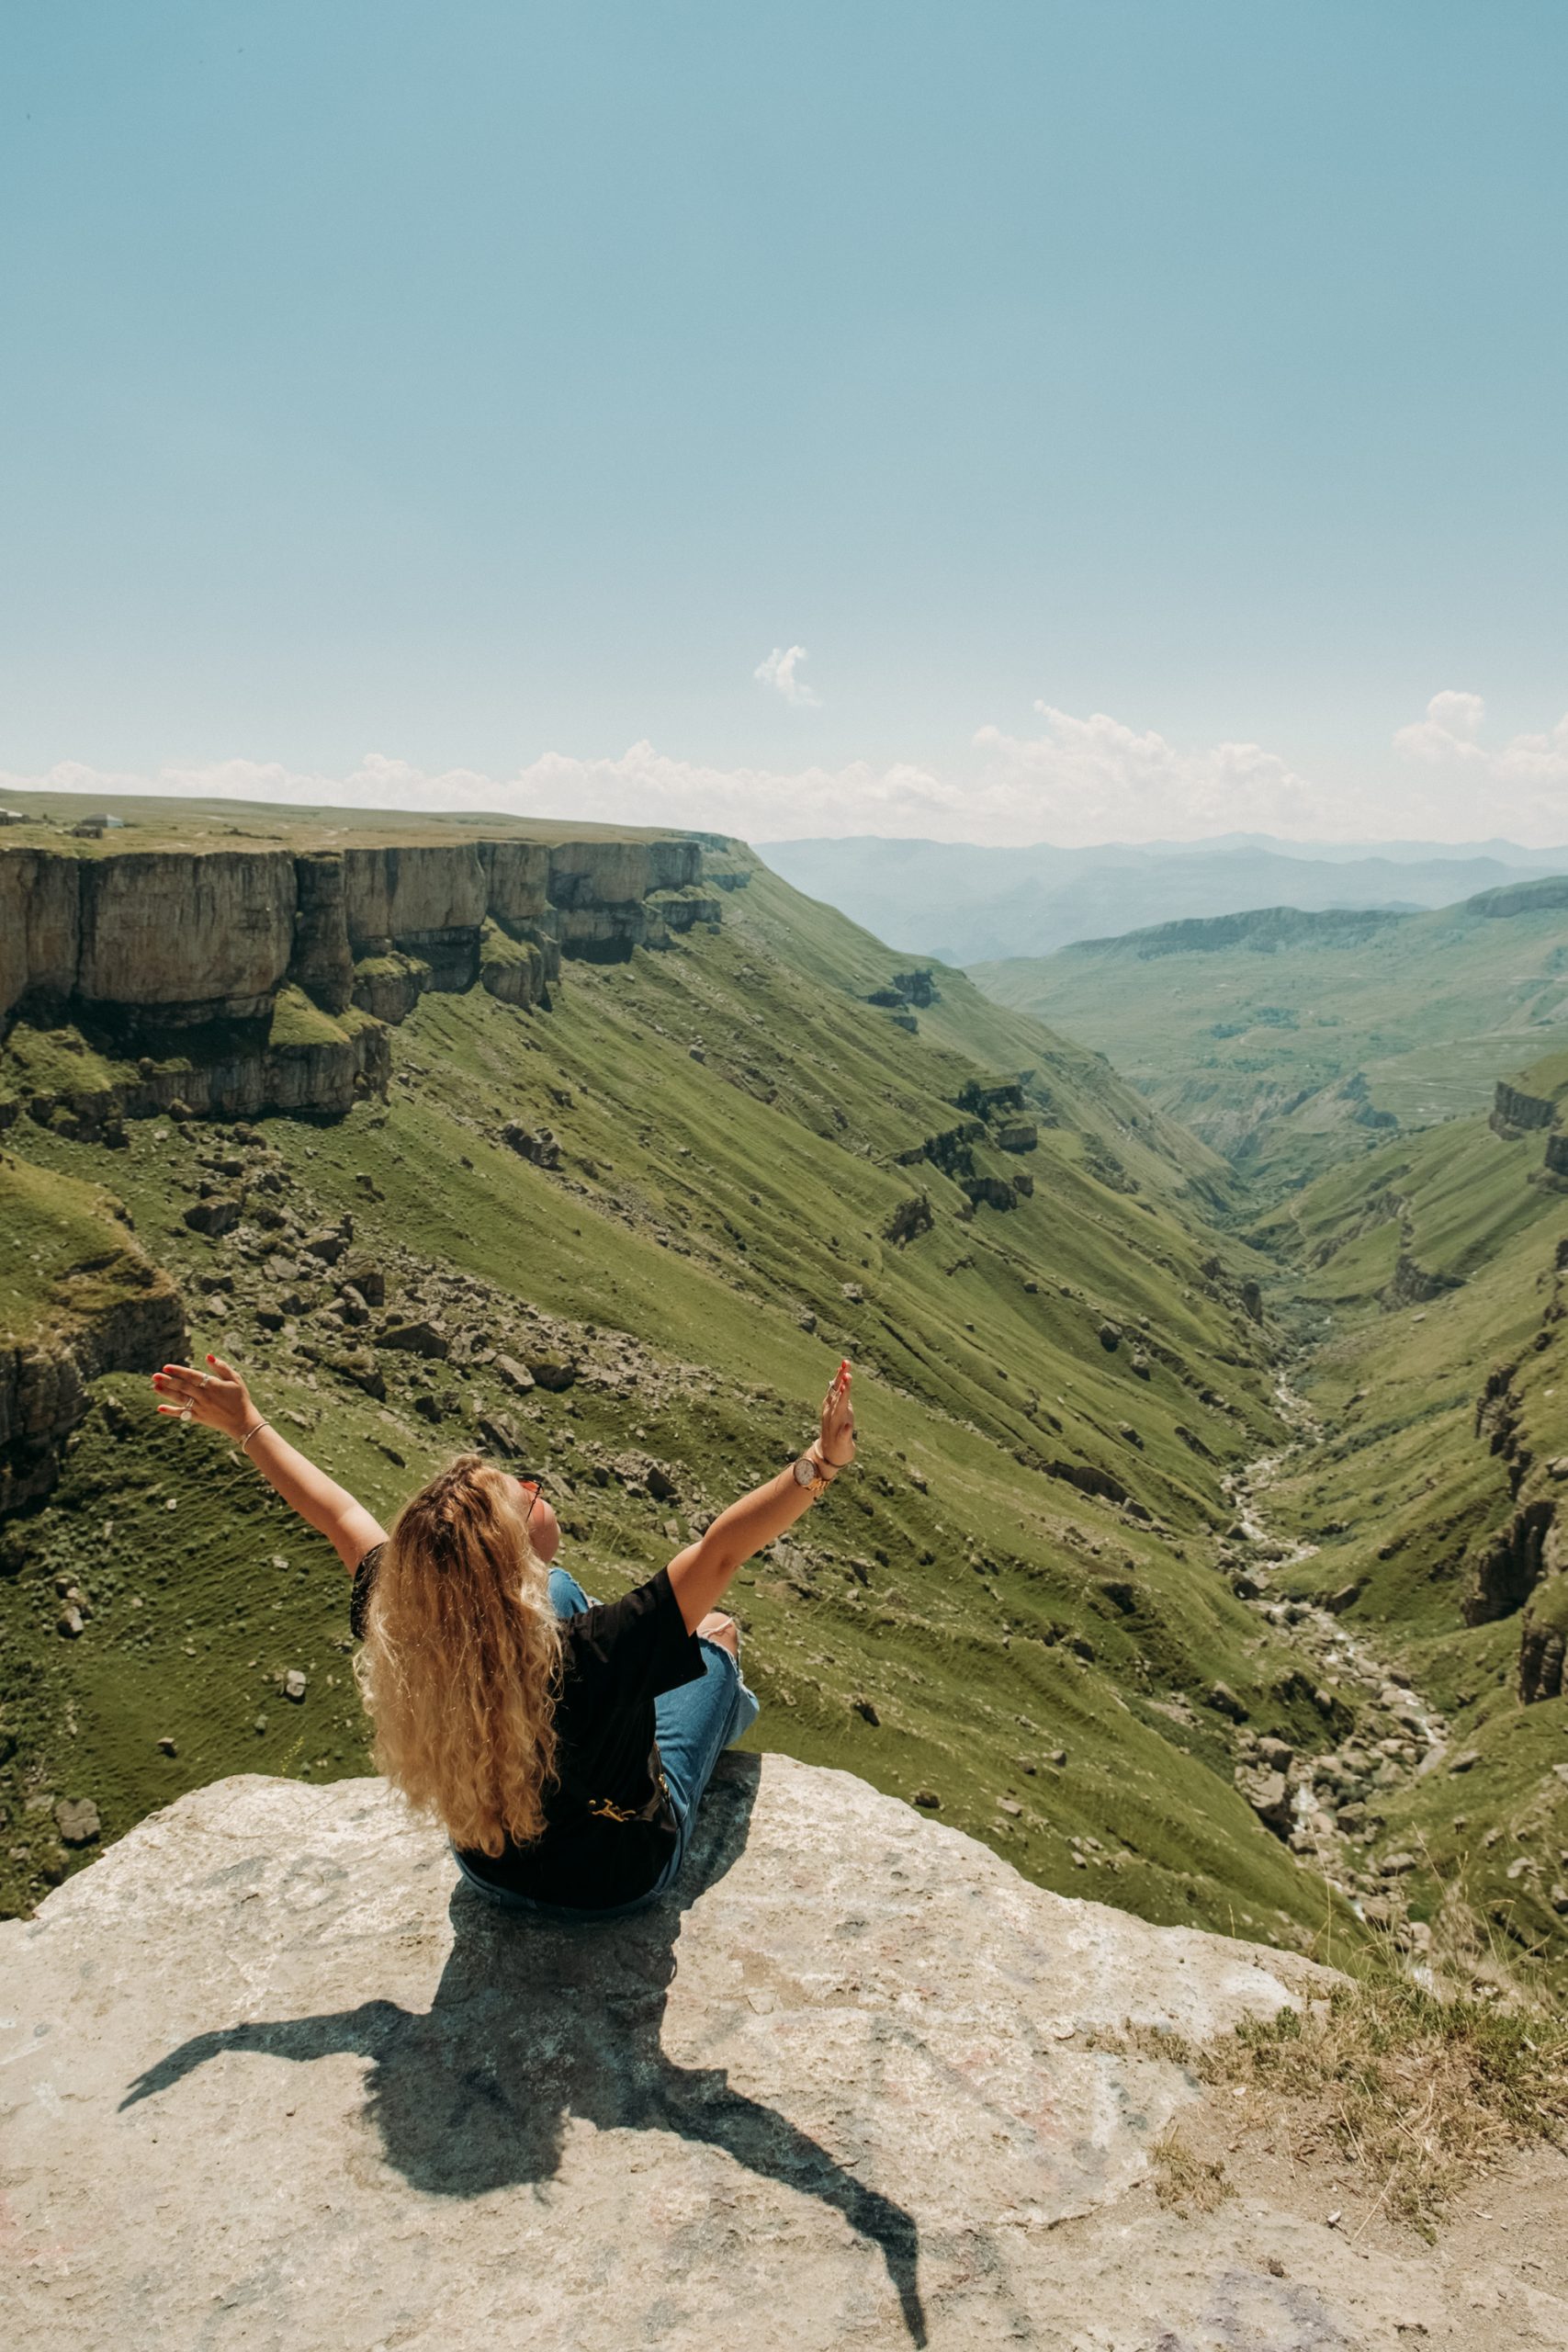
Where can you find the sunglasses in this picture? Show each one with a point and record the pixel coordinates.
(532, 1485)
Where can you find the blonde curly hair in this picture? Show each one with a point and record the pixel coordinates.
(462, 1660)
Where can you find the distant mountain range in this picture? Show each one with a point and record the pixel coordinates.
(967, 905)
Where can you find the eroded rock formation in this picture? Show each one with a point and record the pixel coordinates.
(189, 959)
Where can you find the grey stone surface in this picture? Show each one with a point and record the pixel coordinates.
(271, 2078)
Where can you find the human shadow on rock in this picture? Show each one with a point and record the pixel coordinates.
(537, 2021)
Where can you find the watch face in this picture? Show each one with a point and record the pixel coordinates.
(802, 1472)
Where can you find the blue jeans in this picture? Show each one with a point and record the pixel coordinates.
(693, 1725)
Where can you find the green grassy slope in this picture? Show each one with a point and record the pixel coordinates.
(1287, 1040)
(715, 1235)
(1419, 1471)
(63, 1251)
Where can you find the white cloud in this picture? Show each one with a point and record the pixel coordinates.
(1076, 780)
(779, 672)
(1451, 725)
(1094, 779)
(1518, 787)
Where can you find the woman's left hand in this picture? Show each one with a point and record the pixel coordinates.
(216, 1398)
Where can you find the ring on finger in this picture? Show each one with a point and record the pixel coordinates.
(186, 1409)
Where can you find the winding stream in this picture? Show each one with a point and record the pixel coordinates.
(1398, 1737)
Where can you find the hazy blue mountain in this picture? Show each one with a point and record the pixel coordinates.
(968, 905)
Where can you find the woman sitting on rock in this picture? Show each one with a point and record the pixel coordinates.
(561, 1744)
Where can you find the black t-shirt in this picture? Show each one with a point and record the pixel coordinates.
(615, 1660)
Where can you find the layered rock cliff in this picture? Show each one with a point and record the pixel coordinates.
(166, 939)
(241, 981)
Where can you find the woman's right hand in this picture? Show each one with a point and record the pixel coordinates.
(837, 1437)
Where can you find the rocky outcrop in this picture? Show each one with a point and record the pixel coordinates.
(105, 1307)
(160, 938)
(1513, 1112)
(1414, 1285)
(905, 988)
(1544, 1641)
(987, 1101)
(292, 1059)
(512, 969)
(274, 2073)
(1090, 1479)
(188, 958)
(1504, 1569)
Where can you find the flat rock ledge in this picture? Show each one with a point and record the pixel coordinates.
(274, 2078)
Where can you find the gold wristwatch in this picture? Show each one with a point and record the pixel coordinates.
(812, 1471)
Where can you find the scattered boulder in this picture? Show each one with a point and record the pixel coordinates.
(516, 1375)
(498, 1434)
(420, 1338)
(329, 1246)
(554, 1372)
(218, 1214)
(927, 1800)
(1269, 1795)
(539, 1146)
(1109, 1337)
(1090, 1479)
(364, 1276)
(1225, 1701)
(77, 1818)
(294, 1685)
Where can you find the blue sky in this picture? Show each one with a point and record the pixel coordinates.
(1138, 410)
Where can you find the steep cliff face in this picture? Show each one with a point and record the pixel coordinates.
(77, 1298)
(196, 963)
(169, 938)
(1514, 1110)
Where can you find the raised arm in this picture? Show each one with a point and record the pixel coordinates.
(699, 1575)
(218, 1399)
